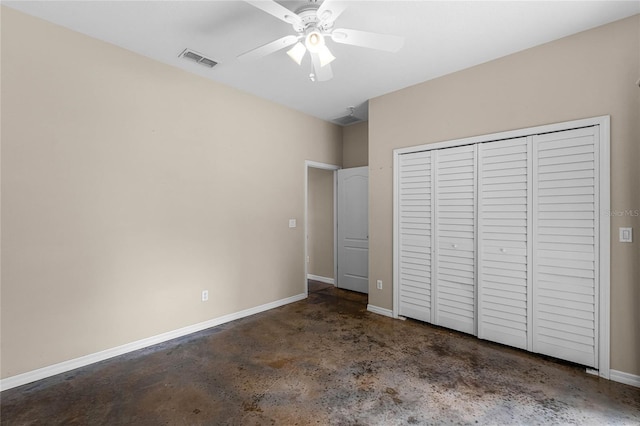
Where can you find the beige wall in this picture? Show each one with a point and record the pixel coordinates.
(355, 145)
(589, 74)
(128, 187)
(320, 244)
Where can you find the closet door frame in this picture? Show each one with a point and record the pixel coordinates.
(604, 197)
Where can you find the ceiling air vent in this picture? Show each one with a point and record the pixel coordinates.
(199, 58)
(348, 119)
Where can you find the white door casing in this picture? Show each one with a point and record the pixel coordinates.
(353, 229)
(314, 164)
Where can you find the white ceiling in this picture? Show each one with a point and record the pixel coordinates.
(440, 37)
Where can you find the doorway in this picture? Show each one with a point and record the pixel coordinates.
(320, 255)
(330, 256)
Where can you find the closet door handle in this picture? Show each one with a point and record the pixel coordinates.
(454, 245)
(503, 250)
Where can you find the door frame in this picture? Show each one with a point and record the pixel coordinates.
(604, 196)
(324, 166)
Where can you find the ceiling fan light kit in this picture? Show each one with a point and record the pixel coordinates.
(313, 41)
(326, 57)
(297, 52)
(314, 22)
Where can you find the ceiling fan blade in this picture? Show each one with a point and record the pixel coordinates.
(275, 9)
(329, 11)
(389, 43)
(321, 73)
(269, 48)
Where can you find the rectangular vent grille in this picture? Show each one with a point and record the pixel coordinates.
(199, 58)
(346, 120)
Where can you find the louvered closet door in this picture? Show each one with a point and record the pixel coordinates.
(565, 289)
(503, 273)
(455, 238)
(415, 236)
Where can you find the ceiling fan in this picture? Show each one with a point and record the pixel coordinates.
(314, 23)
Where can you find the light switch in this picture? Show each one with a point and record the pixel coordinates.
(292, 223)
(626, 235)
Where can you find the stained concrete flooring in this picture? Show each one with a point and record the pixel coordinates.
(324, 361)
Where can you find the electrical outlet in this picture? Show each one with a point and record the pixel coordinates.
(379, 284)
(205, 295)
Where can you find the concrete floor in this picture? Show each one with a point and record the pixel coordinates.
(324, 360)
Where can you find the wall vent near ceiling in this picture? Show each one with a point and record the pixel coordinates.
(197, 57)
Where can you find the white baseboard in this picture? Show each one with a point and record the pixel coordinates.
(380, 311)
(321, 279)
(626, 378)
(52, 370)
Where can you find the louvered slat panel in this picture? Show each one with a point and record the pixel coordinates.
(566, 245)
(415, 229)
(455, 224)
(503, 193)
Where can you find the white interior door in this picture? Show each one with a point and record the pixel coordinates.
(566, 287)
(415, 235)
(504, 282)
(353, 229)
(455, 284)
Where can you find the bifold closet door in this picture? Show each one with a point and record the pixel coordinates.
(415, 235)
(455, 213)
(565, 319)
(503, 242)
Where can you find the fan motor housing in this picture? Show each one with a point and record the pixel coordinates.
(308, 15)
